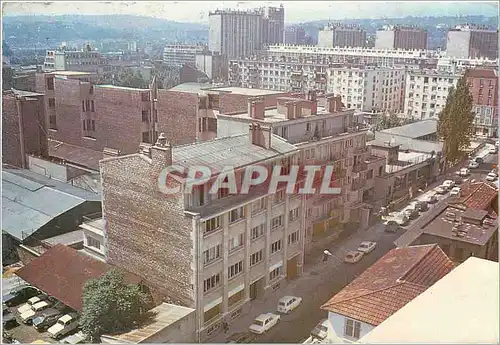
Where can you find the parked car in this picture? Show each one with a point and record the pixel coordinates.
(391, 226)
(421, 206)
(321, 330)
(458, 180)
(493, 149)
(264, 322)
(441, 190)
(455, 191)
(494, 172)
(411, 212)
(448, 184)
(431, 198)
(31, 302)
(288, 303)
(48, 318)
(64, 325)
(353, 256)
(464, 172)
(240, 338)
(9, 320)
(36, 310)
(401, 219)
(19, 295)
(77, 338)
(473, 164)
(491, 177)
(367, 247)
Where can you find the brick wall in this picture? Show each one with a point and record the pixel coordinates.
(147, 233)
(231, 103)
(11, 146)
(177, 116)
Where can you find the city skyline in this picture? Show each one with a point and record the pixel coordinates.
(295, 12)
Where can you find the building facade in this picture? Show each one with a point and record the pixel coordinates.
(401, 37)
(86, 60)
(469, 41)
(181, 54)
(338, 35)
(368, 88)
(426, 92)
(484, 89)
(294, 35)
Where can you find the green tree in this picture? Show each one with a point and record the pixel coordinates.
(390, 121)
(110, 305)
(456, 122)
(7, 77)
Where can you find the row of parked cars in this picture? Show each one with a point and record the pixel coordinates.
(27, 305)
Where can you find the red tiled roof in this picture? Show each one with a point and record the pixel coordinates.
(389, 284)
(479, 195)
(62, 273)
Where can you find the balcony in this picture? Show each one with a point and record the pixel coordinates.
(359, 167)
(358, 184)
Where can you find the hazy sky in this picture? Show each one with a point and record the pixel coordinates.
(295, 11)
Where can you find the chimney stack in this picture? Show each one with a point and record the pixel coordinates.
(290, 110)
(161, 152)
(256, 108)
(330, 104)
(260, 135)
(313, 97)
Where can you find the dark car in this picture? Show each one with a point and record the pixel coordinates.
(241, 338)
(321, 330)
(9, 321)
(47, 319)
(19, 295)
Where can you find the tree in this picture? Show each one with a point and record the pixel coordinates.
(385, 122)
(456, 122)
(7, 77)
(110, 305)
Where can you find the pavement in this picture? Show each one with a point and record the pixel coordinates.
(321, 280)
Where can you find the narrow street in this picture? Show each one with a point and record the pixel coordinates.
(320, 280)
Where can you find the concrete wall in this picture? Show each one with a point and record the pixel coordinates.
(384, 39)
(337, 326)
(457, 44)
(181, 331)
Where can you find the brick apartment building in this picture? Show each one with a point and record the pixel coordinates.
(484, 89)
(24, 129)
(217, 253)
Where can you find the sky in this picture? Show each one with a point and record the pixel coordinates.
(295, 11)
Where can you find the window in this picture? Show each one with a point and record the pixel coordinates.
(234, 270)
(212, 224)
(52, 102)
(369, 174)
(87, 105)
(276, 246)
(236, 242)
(145, 137)
(212, 254)
(84, 126)
(275, 273)
(211, 283)
(92, 123)
(256, 257)
(257, 231)
(145, 116)
(308, 127)
(352, 328)
(52, 122)
(277, 222)
(236, 215)
(92, 109)
(293, 237)
(284, 132)
(92, 242)
(294, 214)
(50, 83)
(145, 96)
(259, 205)
(83, 106)
(279, 197)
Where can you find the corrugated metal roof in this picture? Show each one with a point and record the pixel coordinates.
(414, 130)
(29, 202)
(233, 151)
(407, 143)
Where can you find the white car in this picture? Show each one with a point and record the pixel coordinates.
(448, 184)
(455, 191)
(401, 219)
(367, 247)
(35, 310)
(473, 164)
(353, 257)
(464, 172)
(491, 177)
(31, 302)
(288, 303)
(64, 325)
(264, 322)
(492, 150)
(441, 190)
(430, 198)
(321, 330)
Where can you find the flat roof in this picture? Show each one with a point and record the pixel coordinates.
(68, 239)
(166, 315)
(120, 87)
(462, 307)
(247, 91)
(271, 115)
(191, 87)
(75, 154)
(414, 130)
(407, 143)
(69, 73)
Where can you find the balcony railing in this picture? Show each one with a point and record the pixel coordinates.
(359, 167)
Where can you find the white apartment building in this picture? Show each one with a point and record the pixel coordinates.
(368, 88)
(181, 54)
(426, 92)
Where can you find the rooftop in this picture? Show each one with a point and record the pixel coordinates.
(479, 195)
(68, 239)
(407, 143)
(22, 93)
(394, 280)
(191, 87)
(70, 73)
(165, 315)
(414, 130)
(482, 73)
(460, 308)
(25, 196)
(75, 154)
(62, 273)
(246, 91)
(233, 151)
(121, 87)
